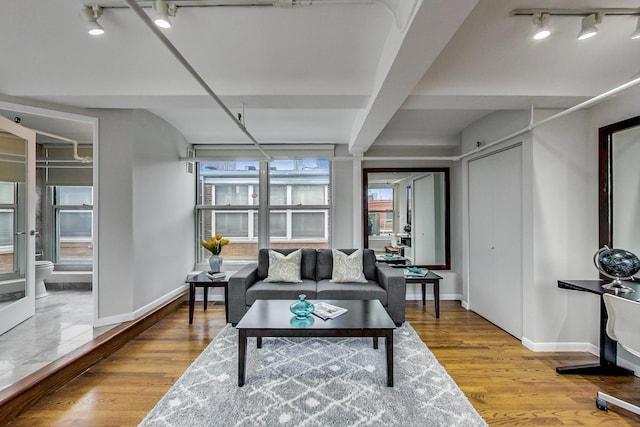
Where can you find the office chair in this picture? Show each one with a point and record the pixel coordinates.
(622, 326)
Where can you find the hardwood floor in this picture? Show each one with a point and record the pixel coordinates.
(505, 382)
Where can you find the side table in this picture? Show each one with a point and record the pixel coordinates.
(202, 281)
(434, 279)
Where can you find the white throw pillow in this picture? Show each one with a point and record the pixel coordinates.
(284, 268)
(347, 268)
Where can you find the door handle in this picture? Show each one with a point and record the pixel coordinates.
(20, 233)
(34, 232)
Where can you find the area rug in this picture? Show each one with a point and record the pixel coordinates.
(315, 382)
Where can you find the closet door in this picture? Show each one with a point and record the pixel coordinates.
(495, 238)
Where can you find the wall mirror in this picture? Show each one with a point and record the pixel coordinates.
(406, 210)
(17, 218)
(619, 177)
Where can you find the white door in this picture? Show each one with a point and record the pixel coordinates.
(17, 222)
(495, 238)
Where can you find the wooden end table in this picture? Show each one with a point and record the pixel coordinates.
(434, 279)
(202, 281)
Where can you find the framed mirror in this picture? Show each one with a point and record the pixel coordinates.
(619, 179)
(406, 211)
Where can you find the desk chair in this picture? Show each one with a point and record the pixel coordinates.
(622, 327)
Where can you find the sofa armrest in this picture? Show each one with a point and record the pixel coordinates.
(239, 282)
(392, 280)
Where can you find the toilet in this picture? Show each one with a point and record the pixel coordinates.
(43, 271)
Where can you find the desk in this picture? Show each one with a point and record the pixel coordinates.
(202, 281)
(434, 279)
(608, 347)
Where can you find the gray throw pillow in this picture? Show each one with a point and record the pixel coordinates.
(347, 268)
(284, 268)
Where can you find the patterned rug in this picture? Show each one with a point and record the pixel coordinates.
(315, 382)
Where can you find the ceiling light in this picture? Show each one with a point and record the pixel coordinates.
(162, 12)
(90, 16)
(589, 28)
(542, 22)
(636, 33)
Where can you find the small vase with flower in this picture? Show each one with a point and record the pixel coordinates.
(214, 245)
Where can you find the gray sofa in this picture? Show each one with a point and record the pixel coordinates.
(384, 283)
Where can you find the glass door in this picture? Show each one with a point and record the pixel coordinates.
(17, 224)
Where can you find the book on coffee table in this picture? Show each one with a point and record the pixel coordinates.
(327, 311)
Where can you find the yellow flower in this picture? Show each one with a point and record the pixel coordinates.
(215, 244)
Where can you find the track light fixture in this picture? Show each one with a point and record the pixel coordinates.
(590, 19)
(162, 13)
(90, 16)
(589, 28)
(541, 20)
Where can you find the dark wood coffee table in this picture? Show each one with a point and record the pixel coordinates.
(272, 318)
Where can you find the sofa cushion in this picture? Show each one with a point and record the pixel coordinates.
(284, 268)
(364, 291)
(307, 265)
(275, 290)
(324, 263)
(347, 268)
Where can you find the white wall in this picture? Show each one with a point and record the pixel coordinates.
(560, 185)
(163, 209)
(565, 225)
(146, 224)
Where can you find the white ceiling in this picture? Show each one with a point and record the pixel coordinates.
(331, 72)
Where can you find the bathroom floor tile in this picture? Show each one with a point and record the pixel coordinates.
(62, 323)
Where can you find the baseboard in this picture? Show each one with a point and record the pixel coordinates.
(127, 317)
(582, 347)
(25, 393)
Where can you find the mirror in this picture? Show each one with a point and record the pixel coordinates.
(406, 211)
(619, 177)
(13, 173)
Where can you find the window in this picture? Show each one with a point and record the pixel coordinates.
(380, 208)
(73, 225)
(8, 206)
(229, 204)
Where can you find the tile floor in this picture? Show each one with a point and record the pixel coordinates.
(62, 323)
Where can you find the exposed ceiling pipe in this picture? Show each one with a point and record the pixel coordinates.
(83, 159)
(145, 18)
(586, 104)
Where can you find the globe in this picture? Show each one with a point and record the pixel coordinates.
(617, 264)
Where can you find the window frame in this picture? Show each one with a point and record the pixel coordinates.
(57, 208)
(262, 187)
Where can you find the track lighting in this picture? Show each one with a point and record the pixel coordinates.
(589, 28)
(162, 13)
(541, 20)
(636, 33)
(590, 17)
(90, 16)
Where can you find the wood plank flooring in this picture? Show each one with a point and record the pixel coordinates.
(505, 382)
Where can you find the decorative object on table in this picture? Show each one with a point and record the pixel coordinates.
(319, 381)
(302, 308)
(617, 264)
(215, 247)
(216, 276)
(301, 323)
(415, 272)
(328, 311)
